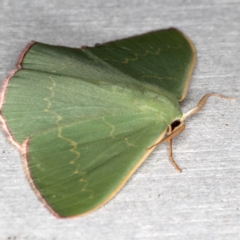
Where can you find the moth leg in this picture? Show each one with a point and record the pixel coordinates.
(170, 151)
(170, 135)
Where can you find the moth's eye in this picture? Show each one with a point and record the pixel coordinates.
(175, 124)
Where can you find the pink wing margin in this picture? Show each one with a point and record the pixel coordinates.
(22, 147)
(3, 94)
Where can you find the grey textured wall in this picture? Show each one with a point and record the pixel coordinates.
(203, 202)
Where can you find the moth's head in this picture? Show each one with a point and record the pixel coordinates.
(176, 128)
(176, 124)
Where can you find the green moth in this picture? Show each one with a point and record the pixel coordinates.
(85, 119)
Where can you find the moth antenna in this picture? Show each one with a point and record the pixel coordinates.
(202, 102)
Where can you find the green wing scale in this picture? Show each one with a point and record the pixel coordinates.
(165, 58)
(84, 118)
